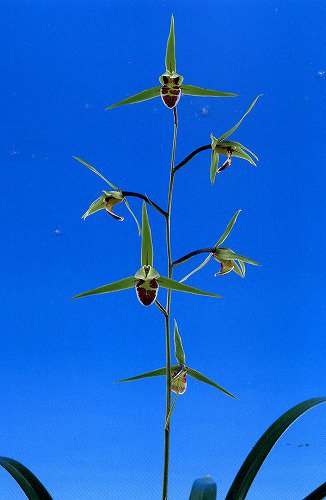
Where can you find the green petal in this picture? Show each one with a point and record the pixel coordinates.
(111, 287)
(31, 486)
(208, 258)
(227, 254)
(145, 95)
(239, 153)
(241, 146)
(175, 285)
(199, 91)
(147, 246)
(199, 376)
(243, 267)
(96, 172)
(97, 205)
(228, 229)
(260, 451)
(214, 166)
(229, 132)
(170, 50)
(178, 348)
(237, 269)
(134, 216)
(154, 373)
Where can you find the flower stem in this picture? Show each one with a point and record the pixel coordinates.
(192, 254)
(190, 157)
(168, 316)
(145, 198)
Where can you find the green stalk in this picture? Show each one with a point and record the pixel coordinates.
(168, 316)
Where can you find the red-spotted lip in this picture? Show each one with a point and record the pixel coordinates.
(170, 96)
(147, 291)
(179, 389)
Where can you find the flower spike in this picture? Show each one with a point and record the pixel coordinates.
(179, 372)
(230, 148)
(171, 82)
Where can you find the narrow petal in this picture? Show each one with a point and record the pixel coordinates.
(170, 62)
(155, 373)
(145, 95)
(178, 348)
(111, 287)
(147, 253)
(96, 172)
(214, 166)
(228, 229)
(175, 285)
(133, 215)
(229, 132)
(208, 258)
(199, 376)
(199, 91)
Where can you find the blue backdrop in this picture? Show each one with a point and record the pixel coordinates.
(63, 62)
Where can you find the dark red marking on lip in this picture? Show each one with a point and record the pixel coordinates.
(170, 96)
(148, 294)
(181, 387)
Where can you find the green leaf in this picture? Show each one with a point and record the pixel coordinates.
(170, 50)
(260, 451)
(147, 246)
(199, 376)
(199, 91)
(180, 287)
(229, 132)
(145, 95)
(214, 166)
(237, 268)
(134, 216)
(318, 494)
(31, 486)
(112, 287)
(96, 172)
(228, 229)
(154, 373)
(208, 258)
(227, 254)
(178, 349)
(203, 489)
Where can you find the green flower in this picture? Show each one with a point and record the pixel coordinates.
(225, 256)
(179, 371)
(108, 199)
(229, 148)
(171, 82)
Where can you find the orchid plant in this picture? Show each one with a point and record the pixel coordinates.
(147, 281)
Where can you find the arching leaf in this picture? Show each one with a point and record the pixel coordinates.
(31, 486)
(260, 451)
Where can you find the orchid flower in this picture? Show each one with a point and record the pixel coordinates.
(146, 280)
(225, 256)
(230, 148)
(171, 82)
(179, 371)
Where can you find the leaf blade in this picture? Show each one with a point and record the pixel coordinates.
(229, 132)
(200, 91)
(170, 62)
(264, 445)
(31, 486)
(199, 376)
(147, 256)
(145, 95)
(180, 287)
(116, 286)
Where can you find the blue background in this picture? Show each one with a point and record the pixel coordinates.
(63, 62)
